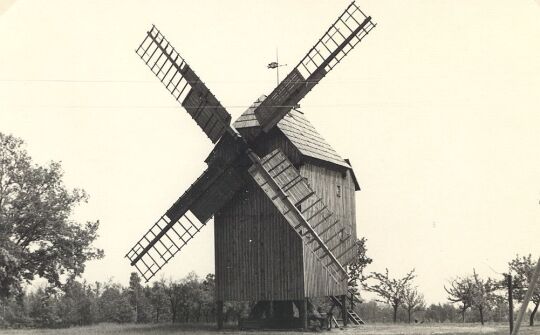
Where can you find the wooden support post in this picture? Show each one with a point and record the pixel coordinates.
(344, 310)
(303, 311)
(527, 298)
(219, 311)
(510, 302)
(270, 310)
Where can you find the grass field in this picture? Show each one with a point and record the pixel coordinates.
(374, 329)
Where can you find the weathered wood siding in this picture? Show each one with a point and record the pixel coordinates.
(258, 255)
(339, 236)
(317, 280)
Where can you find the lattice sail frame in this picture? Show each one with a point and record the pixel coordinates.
(185, 218)
(176, 235)
(355, 24)
(344, 34)
(185, 86)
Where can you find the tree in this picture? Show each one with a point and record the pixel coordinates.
(356, 269)
(175, 293)
(158, 298)
(37, 236)
(441, 313)
(43, 308)
(208, 296)
(115, 306)
(137, 298)
(192, 302)
(523, 267)
(483, 294)
(391, 291)
(77, 306)
(460, 292)
(412, 301)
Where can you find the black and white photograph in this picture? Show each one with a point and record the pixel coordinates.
(367, 167)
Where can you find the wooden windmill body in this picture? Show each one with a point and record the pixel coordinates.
(258, 254)
(281, 197)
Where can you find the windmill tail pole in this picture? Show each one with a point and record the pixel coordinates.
(528, 295)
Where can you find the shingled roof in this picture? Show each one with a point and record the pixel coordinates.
(299, 131)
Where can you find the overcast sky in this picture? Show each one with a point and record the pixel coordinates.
(437, 109)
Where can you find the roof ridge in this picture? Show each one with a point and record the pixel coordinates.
(298, 130)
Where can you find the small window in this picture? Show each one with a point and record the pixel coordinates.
(338, 191)
(345, 234)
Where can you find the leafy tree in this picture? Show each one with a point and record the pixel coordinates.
(138, 298)
(208, 296)
(115, 306)
(37, 236)
(191, 304)
(175, 293)
(125, 312)
(441, 313)
(157, 295)
(390, 290)
(523, 268)
(499, 310)
(43, 308)
(483, 294)
(77, 305)
(356, 270)
(412, 301)
(460, 292)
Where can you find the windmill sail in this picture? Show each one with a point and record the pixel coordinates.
(186, 217)
(342, 36)
(300, 206)
(185, 86)
(162, 241)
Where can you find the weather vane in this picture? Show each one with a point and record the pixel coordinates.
(276, 65)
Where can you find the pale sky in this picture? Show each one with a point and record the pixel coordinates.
(437, 109)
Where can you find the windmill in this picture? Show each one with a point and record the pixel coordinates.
(281, 197)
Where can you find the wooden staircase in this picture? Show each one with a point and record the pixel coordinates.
(353, 317)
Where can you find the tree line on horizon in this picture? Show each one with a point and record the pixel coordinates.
(191, 300)
(188, 300)
(471, 298)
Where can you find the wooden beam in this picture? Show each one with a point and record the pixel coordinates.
(527, 298)
(219, 311)
(344, 314)
(303, 311)
(510, 302)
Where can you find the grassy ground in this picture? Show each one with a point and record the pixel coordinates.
(372, 329)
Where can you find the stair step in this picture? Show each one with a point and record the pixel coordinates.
(355, 318)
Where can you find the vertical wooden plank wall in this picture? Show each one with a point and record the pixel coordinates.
(325, 181)
(258, 255)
